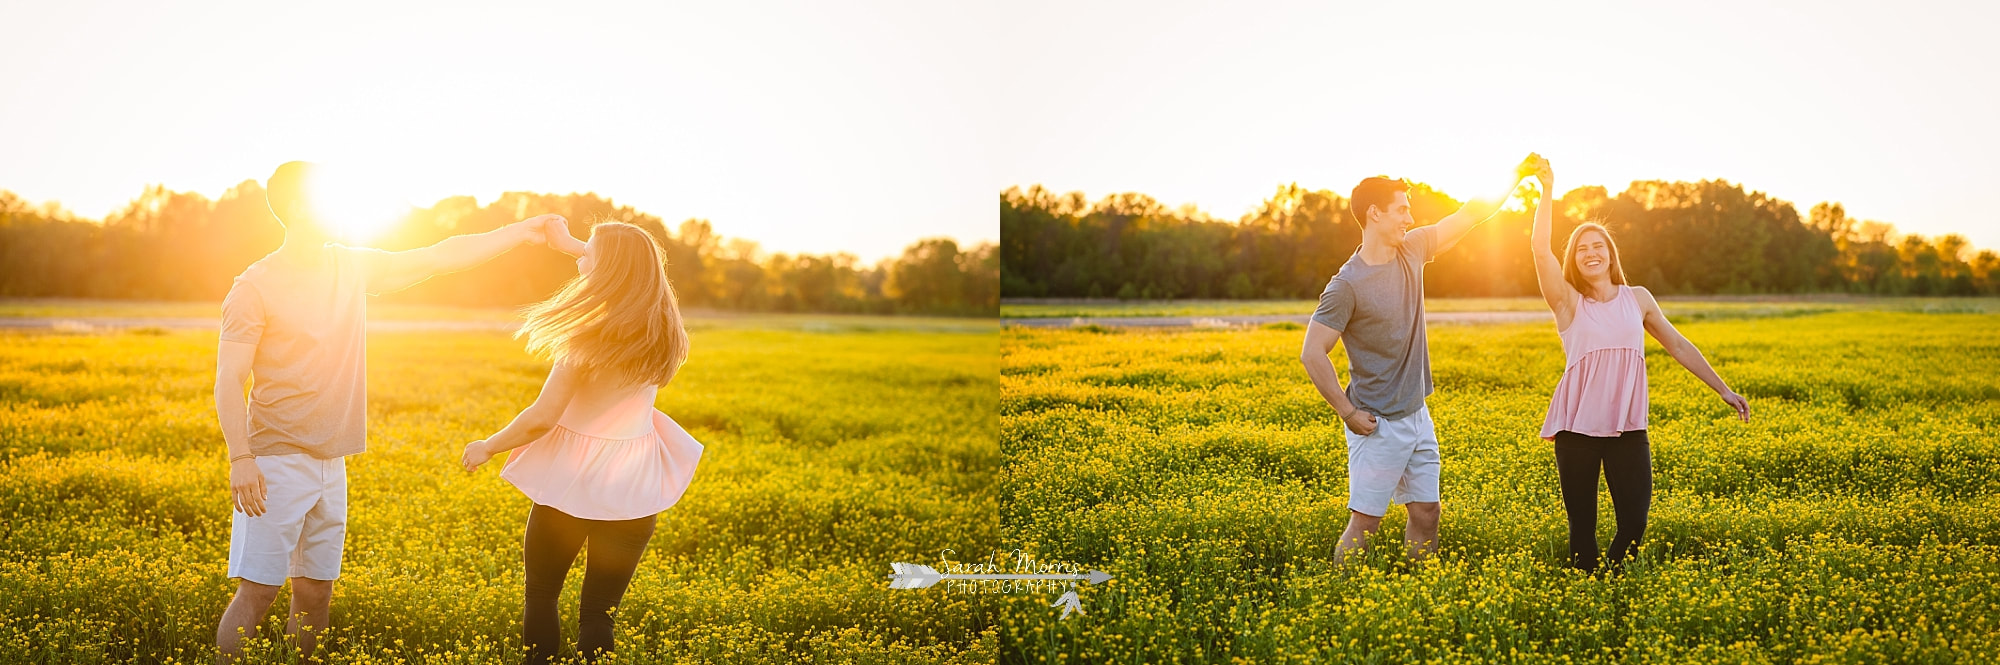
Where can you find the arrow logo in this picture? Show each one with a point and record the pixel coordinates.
(919, 576)
(1069, 602)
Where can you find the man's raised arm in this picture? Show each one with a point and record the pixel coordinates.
(1476, 211)
(399, 270)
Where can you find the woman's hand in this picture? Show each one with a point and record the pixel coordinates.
(1547, 175)
(246, 486)
(475, 455)
(534, 230)
(1737, 402)
(555, 232)
(1529, 165)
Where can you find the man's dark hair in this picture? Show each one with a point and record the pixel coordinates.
(287, 188)
(1377, 192)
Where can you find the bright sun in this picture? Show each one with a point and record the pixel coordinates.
(358, 206)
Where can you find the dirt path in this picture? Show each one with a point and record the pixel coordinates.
(1258, 320)
(92, 323)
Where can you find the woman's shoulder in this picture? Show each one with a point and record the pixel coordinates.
(1641, 297)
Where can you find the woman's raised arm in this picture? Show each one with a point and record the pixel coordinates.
(1560, 296)
(556, 231)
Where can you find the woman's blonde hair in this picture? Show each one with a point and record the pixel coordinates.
(1570, 272)
(619, 323)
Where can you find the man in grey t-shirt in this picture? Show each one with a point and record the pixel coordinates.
(296, 321)
(1376, 304)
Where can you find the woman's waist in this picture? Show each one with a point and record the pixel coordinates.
(1606, 365)
(1601, 353)
(563, 452)
(601, 432)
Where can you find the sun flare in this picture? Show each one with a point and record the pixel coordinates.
(356, 205)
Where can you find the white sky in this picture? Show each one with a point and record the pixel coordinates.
(1887, 107)
(862, 127)
(806, 127)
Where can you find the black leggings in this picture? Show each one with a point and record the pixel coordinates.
(1628, 470)
(554, 538)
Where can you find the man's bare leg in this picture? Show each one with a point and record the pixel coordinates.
(1359, 527)
(246, 610)
(311, 599)
(1422, 533)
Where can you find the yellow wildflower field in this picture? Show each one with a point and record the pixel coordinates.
(831, 451)
(1855, 519)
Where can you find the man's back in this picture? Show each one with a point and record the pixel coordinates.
(307, 315)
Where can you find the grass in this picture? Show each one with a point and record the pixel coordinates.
(1696, 308)
(84, 310)
(833, 450)
(1856, 519)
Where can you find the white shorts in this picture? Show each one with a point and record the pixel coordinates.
(304, 525)
(1399, 462)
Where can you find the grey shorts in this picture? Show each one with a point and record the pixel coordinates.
(304, 525)
(1399, 462)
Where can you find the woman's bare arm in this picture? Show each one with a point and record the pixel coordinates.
(531, 423)
(1685, 353)
(1560, 296)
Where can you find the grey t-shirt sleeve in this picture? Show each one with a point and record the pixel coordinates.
(242, 314)
(1336, 305)
(1421, 243)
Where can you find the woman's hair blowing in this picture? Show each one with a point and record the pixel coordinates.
(619, 323)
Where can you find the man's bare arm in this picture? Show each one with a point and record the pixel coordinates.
(232, 373)
(1476, 211)
(1320, 339)
(400, 270)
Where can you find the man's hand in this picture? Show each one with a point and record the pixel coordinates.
(1477, 210)
(246, 486)
(1361, 422)
(552, 225)
(1529, 166)
(475, 455)
(535, 230)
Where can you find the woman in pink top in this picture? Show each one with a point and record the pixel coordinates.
(598, 461)
(1597, 417)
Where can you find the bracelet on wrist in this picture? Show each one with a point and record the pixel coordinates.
(242, 456)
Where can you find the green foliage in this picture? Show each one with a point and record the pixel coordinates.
(829, 455)
(1705, 237)
(169, 245)
(1855, 519)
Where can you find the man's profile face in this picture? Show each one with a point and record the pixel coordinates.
(1392, 223)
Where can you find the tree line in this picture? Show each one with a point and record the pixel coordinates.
(1708, 237)
(168, 245)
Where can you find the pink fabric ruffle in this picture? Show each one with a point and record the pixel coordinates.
(606, 479)
(1602, 394)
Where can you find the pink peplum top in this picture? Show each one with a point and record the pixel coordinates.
(599, 478)
(1603, 386)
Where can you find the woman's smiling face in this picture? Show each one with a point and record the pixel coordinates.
(1593, 254)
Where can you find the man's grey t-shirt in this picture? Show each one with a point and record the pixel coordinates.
(1379, 311)
(308, 317)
